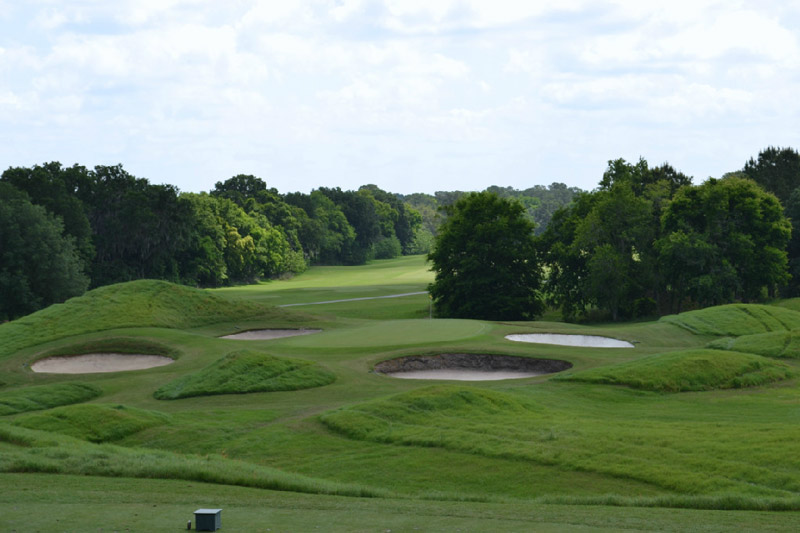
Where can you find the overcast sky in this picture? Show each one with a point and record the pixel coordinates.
(412, 95)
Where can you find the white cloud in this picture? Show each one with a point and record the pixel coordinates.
(342, 90)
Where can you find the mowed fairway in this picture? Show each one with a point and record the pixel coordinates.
(694, 429)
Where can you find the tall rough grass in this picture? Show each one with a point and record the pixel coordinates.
(45, 396)
(247, 371)
(736, 320)
(142, 303)
(688, 370)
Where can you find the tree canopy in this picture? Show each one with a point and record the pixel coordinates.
(485, 261)
(39, 263)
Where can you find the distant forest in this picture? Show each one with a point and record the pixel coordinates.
(66, 229)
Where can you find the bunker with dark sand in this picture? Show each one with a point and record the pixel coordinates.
(267, 334)
(582, 341)
(469, 367)
(97, 363)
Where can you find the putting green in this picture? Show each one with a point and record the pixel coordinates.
(394, 333)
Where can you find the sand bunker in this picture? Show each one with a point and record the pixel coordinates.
(469, 367)
(267, 334)
(96, 363)
(585, 341)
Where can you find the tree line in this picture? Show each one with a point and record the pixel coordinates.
(66, 229)
(645, 242)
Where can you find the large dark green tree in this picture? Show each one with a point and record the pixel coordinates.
(39, 263)
(724, 240)
(777, 170)
(485, 261)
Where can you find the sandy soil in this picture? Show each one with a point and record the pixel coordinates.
(267, 334)
(96, 363)
(461, 374)
(586, 341)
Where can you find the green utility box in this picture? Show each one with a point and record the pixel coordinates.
(207, 519)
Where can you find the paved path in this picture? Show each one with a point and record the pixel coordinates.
(357, 299)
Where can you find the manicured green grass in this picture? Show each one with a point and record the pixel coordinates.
(140, 303)
(736, 320)
(784, 344)
(393, 333)
(247, 371)
(689, 370)
(512, 455)
(93, 422)
(86, 504)
(45, 396)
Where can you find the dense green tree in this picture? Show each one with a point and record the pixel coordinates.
(39, 264)
(739, 235)
(566, 263)
(139, 229)
(485, 261)
(777, 170)
(55, 188)
(600, 250)
(361, 212)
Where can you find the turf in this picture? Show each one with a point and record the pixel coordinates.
(736, 320)
(45, 396)
(393, 333)
(530, 454)
(140, 303)
(247, 371)
(93, 422)
(690, 370)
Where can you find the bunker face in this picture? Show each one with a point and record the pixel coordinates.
(267, 334)
(469, 367)
(585, 341)
(97, 363)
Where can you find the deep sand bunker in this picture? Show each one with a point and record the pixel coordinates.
(584, 341)
(267, 334)
(469, 367)
(97, 363)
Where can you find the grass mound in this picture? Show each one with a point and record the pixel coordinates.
(141, 303)
(785, 344)
(92, 422)
(247, 371)
(45, 397)
(736, 320)
(690, 370)
(400, 418)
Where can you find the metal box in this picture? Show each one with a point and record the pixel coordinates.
(207, 519)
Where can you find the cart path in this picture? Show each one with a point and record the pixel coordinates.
(357, 299)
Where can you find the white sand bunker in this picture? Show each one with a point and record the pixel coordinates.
(469, 367)
(267, 334)
(96, 363)
(585, 341)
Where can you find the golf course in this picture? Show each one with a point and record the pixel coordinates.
(691, 424)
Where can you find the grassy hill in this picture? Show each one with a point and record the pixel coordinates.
(143, 303)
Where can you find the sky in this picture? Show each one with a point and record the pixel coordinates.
(411, 95)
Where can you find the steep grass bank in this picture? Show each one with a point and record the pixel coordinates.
(142, 303)
(736, 320)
